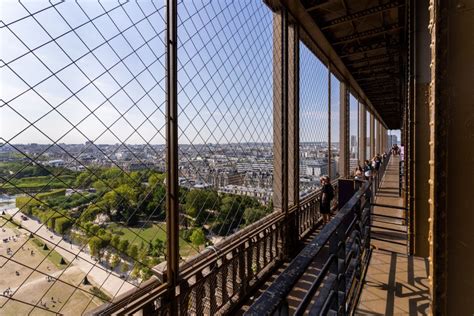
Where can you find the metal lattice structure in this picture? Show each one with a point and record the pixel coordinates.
(314, 112)
(154, 157)
(93, 74)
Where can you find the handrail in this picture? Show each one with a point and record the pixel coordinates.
(202, 266)
(271, 300)
(314, 286)
(348, 238)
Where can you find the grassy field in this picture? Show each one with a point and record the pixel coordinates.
(53, 255)
(39, 182)
(153, 232)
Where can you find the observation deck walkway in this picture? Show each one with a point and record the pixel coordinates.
(395, 284)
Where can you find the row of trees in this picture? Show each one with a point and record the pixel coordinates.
(223, 212)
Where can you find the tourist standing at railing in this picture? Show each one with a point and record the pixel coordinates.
(367, 170)
(327, 194)
(358, 173)
(376, 163)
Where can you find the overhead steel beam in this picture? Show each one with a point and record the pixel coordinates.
(316, 41)
(370, 60)
(379, 85)
(390, 94)
(374, 78)
(367, 49)
(369, 33)
(362, 14)
(377, 68)
(319, 5)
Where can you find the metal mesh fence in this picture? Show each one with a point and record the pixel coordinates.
(313, 120)
(353, 133)
(83, 145)
(335, 125)
(81, 152)
(225, 117)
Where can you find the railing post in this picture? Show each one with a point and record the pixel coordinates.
(172, 206)
(341, 266)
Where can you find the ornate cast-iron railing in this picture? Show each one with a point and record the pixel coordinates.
(347, 242)
(219, 278)
(347, 239)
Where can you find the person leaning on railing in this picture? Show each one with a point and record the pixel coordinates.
(368, 170)
(327, 194)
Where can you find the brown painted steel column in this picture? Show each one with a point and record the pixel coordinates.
(372, 135)
(293, 135)
(172, 188)
(330, 171)
(451, 162)
(281, 130)
(420, 129)
(344, 131)
(377, 137)
(362, 133)
(280, 114)
(293, 115)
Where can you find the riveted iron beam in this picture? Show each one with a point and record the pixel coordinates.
(372, 59)
(384, 96)
(369, 33)
(362, 14)
(377, 68)
(356, 50)
(318, 6)
(385, 100)
(375, 78)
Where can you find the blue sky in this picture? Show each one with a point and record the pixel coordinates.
(106, 77)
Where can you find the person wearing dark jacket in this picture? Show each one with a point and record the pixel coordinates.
(327, 194)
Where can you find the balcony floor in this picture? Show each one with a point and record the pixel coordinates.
(395, 284)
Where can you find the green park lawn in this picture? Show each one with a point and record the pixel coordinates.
(53, 255)
(150, 233)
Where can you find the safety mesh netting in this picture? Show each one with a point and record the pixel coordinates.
(83, 144)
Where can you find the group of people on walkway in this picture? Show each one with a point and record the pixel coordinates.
(395, 150)
(367, 172)
(371, 167)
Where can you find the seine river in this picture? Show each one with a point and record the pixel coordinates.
(7, 202)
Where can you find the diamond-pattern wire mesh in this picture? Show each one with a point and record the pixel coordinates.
(87, 219)
(335, 125)
(82, 148)
(313, 120)
(225, 117)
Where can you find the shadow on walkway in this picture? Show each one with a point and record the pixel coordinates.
(395, 284)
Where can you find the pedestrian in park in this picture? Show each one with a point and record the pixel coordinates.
(327, 194)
